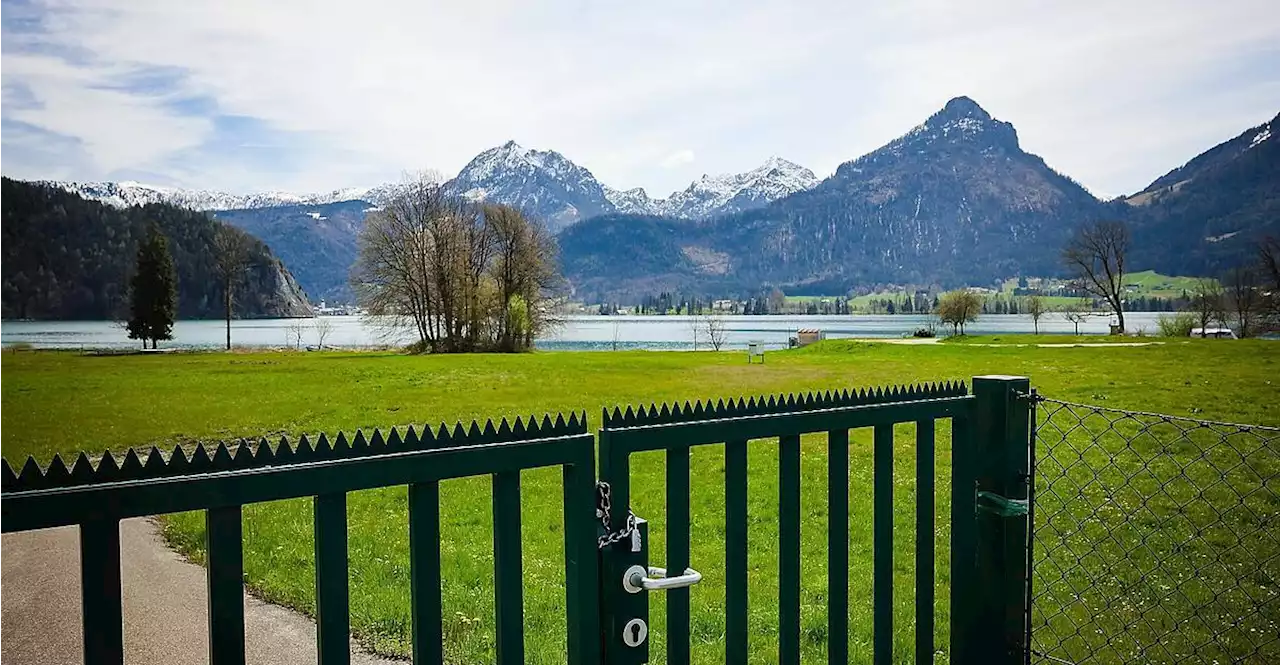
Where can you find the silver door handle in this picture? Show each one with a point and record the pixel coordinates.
(636, 580)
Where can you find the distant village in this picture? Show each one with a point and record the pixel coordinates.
(886, 299)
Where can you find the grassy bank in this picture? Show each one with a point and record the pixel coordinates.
(57, 402)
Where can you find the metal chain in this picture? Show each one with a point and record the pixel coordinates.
(604, 507)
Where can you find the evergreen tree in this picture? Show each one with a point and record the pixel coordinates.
(153, 293)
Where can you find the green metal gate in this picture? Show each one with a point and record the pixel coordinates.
(607, 559)
(989, 445)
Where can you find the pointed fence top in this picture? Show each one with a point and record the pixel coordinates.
(244, 454)
(668, 413)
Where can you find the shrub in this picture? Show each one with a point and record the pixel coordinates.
(1178, 324)
(924, 332)
(418, 347)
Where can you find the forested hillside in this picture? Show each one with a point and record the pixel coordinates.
(68, 258)
(317, 242)
(1207, 216)
(954, 201)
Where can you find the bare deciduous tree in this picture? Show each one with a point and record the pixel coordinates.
(958, 308)
(460, 277)
(714, 326)
(1077, 313)
(1208, 304)
(777, 301)
(1036, 309)
(323, 326)
(1097, 255)
(293, 333)
(1243, 298)
(231, 259)
(525, 271)
(1269, 274)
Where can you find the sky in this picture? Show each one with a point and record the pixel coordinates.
(312, 95)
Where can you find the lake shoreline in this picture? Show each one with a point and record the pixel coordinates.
(576, 333)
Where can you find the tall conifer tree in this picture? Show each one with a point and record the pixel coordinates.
(153, 293)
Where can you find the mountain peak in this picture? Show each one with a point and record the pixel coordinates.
(543, 183)
(962, 107)
(960, 124)
(785, 166)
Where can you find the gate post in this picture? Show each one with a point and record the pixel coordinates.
(1001, 447)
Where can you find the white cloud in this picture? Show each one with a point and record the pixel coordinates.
(116, 130)
(1111, 93)
(677, 158)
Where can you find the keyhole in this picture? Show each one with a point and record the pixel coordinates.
(634, 633)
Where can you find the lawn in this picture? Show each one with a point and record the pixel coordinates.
(62, 402)
(1147, 283)
(1151, 283)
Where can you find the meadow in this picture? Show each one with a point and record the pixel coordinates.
(64, 403)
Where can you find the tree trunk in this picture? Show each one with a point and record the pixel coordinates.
(227, 293)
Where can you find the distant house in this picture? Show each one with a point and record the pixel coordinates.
(722, 305)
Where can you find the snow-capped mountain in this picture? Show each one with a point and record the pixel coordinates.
(128, 193)
(714, 195)
(709, 195)
(551, 186)
(634, 201)
(542, 183)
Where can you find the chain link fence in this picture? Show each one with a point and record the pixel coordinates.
(1156, 539)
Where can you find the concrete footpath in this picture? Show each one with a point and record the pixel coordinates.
(165, 605)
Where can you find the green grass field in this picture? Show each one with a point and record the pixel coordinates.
(1147, 283)
(62, 402)
(1151, 283)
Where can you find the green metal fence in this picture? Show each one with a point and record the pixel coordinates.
(97, 497)
(606, 552)
(1156, 538)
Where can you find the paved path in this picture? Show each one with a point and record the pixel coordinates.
(938, 340)
(165, 612)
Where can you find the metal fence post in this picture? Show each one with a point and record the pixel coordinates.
(1001, 446)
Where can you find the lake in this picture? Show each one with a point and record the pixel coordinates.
(578, 333)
